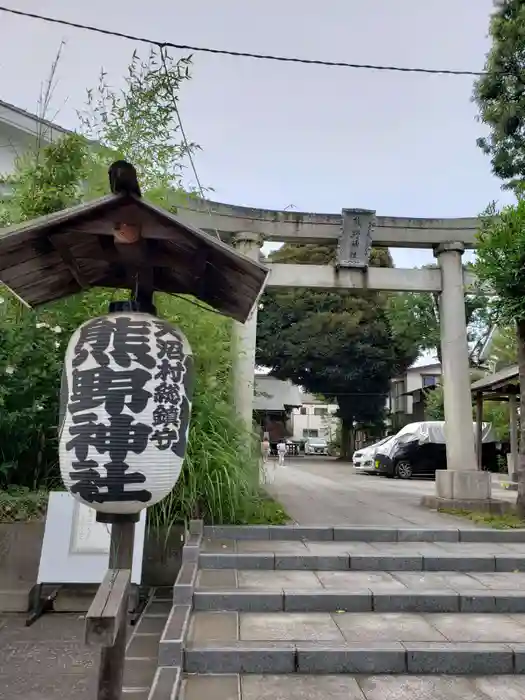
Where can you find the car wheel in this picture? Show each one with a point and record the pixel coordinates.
(404, 469)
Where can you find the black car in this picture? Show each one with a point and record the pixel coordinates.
(412, 458)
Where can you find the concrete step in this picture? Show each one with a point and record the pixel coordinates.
(378, 643)
(401, 559)
(366, 600)
(358, 533)
(347, 687)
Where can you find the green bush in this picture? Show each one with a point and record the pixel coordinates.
(220, 477)
(21, 504)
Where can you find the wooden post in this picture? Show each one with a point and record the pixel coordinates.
(514, 444)
(112, 658)
(479, 429)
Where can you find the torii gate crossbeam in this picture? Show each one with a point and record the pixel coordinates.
(247, 228)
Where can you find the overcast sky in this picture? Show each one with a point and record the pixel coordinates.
(274, 134)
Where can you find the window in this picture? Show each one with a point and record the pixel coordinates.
(320, 411)
(309, 432)
(430, 379)
(303, 410)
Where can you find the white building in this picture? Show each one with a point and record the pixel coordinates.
(407, 403)
(314, 418)
(19, 132)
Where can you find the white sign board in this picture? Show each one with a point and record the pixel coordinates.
(76, 548)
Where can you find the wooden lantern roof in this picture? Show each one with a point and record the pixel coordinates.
(84, 246)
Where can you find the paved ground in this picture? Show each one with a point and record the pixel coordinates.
(310, 687)
(49, 660)
(325, 491)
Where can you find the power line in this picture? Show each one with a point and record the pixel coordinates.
(243, 54)
(187, 147)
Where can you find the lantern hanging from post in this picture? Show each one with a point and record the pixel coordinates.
(125, 409)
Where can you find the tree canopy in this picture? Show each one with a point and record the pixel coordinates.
(338, 344)
(416, 316)
(500, 94)
(500, 264)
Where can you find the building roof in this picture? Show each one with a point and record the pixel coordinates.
(28, 122)
(54, 256)
(423, 368)
(498, 385)
(272, 394)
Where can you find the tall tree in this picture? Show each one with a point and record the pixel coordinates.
(503, 350)
(500, 94)
(416, 315)
(338, 344)
(500, 263)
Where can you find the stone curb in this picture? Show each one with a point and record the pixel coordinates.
(429, 658)
(184, 586)
(366, 600)
(191, 547)
(363, 562)
(173, 637)
(360, 534)
(166, 683)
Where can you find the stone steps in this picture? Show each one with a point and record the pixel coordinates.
(376, 658)
(311, 602)
(347, 687)
(333, 600)
(403, 560)
(358, 533)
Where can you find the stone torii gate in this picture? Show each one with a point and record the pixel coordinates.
(353, 231)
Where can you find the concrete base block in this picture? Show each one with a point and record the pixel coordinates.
(15, 600)
(469, 485)
(492, 506)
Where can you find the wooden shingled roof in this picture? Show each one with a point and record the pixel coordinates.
(60, 254)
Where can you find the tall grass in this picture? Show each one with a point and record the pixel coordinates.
(220, 477)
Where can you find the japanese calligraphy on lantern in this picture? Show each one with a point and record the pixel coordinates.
(126, 402)
(355, 240)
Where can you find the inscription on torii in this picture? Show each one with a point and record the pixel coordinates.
(355, 241)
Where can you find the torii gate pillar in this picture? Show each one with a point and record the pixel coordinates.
(461, 481)
(244, 341)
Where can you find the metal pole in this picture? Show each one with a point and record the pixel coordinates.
(112, 659)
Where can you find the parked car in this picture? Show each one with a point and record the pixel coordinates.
(363, 460)
(420, 449)
(316, 446)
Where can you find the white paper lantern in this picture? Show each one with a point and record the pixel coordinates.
(125, 410)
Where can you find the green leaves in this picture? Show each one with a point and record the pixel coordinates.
(141, 123)
(500, 259)
(500, 94)
(339, 344)
(415, 318)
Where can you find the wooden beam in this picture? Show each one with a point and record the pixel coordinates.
(69, 260)
(109, 606)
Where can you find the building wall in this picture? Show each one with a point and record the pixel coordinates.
(20, 132)
(12, 143)
(315, 420)
(402, 409)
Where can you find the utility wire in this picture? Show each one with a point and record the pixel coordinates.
(243, 54)
(173, 97)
